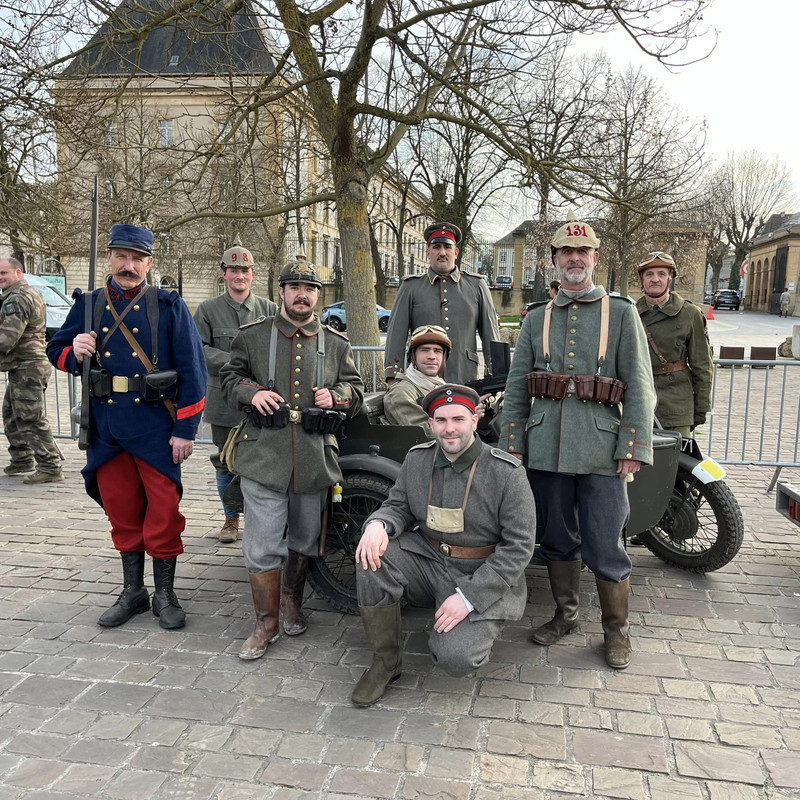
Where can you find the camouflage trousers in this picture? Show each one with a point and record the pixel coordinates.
(26, 427)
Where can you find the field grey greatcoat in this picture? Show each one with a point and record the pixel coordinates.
(401, 404)
(218, 321)
(500, 510)
(274, 457)
(679, 331)
(569, 435)
(460, 303)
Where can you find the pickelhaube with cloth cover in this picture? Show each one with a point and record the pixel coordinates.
(237, 256)
(657, 259)
(300, 271)
(450, 394)
(574, 233)
(443, 232)
(131, 237)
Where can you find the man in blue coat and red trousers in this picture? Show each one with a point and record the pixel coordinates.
(148, 381)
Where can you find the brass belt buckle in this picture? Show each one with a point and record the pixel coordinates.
(295, 415)
(571, 387)
(119, 383)
(444, 548)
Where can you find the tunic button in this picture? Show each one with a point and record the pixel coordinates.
(296, 396)
(136, 308)
(136, 330)
(137, 400)
(108, 308)
(572, 330)
(572, 341)
(574, 306)
(613, 427)
(570, 366)
(135, 376)
(105, 330)
(629, 455)
(447, 319)
(572, 355)
(110, 401)
(133, 355)
(573, 318)
(297, 358)
(297, 383)
(106, 354)
(244, 437)
(299, 345)
(297, 369)
(513, 436)
(630, 444)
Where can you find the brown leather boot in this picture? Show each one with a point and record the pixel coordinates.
(565, 581)
(230, 530)
(384, 628)
(294, 582)
(266, 588)
(614, 605)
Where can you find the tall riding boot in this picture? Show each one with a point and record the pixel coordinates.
(614, 606)
(134, 599)
(565, 581)
(266, 587)
(165, 604)
(384, 630)
(294, 582)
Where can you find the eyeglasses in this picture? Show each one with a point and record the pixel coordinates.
(655, 256)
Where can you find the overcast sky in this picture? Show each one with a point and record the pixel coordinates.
(747, 87)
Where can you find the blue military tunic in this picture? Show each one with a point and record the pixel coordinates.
(124, 421)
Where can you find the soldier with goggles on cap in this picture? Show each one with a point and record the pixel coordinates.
(296, 381)
(446, 296)
(564, 416)
(455, 535)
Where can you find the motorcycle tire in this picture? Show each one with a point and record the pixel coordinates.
(701, 530)
(333, 576)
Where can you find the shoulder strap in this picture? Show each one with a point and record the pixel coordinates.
(273, 350)
(652, 343)
(548, 314)
(321, 358)
(603, 345)
(151, 304)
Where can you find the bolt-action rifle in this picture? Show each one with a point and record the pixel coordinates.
(84, 433)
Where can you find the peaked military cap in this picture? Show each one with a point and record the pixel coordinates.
(575, 234)
(450, 394)
(131, 237)
(300, 271)
(443, 232)
(237, 256)
(657, 259)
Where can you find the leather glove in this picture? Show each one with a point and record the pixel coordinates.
(699, 419)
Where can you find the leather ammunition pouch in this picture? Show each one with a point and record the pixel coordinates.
(279, 418)
(322, 420)
(586, 387)
(99, 382)
(159, 385)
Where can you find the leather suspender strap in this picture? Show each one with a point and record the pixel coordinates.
(117, 317)
(652, 343)
(137, 348)
(273, 350)
(321, 358)
(604, 322)
(548, 313)
(469, 481)
(151, 305)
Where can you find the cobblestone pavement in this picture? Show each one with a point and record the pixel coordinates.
(710, 707)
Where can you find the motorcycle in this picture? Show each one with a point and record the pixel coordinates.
(680, 506)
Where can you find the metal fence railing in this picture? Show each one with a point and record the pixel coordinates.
(755, 418)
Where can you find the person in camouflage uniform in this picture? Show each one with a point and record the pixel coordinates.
(218, 321)
(23, 320)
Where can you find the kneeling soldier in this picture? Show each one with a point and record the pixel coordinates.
(454, 534)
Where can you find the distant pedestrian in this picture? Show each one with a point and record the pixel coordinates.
(23, 319)
(553, 290)
(785, 300)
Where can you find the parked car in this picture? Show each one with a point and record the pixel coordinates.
(726, 298)
(503, 282)
(336, 316)
(393, 280)
(58, 304)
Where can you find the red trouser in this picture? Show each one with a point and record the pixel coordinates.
(142, 506)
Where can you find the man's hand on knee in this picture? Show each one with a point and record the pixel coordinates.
(372, 546)
(450, 613)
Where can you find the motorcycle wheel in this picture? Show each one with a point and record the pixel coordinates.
(334, 575)
(701, 530)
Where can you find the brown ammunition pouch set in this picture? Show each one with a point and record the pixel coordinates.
(589, 387)
(156, 386)
(664, 367)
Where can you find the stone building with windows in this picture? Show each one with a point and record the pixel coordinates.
(774, 264)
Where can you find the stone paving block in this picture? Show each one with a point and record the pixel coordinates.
(749, 715)
(609, 749)
(447, 703)
(45, 691)
(562, 694)
(729, 672)
(348, 752)
(733, 693)
(163, 759)
(364, 782)
(116, 698)
(113, 727)
(687, 728)
(747, 735)
(494, 708)
(506, 689)
(590, 718)
(664, 788)
(622, 700)
(541, 713)
(399, 757)
(445, 731)
(516, 739)
(310, 777)
(99, 751)
(449, 763)
(134, 785)
(280, 713)
(49, 665)
(668, 706)
(207, 737)
(618, 783)
(305, 746)
(86, 779)
(693, 690)
(732, 791)
(715, 762)
(192, 704)
(227, 765)
(69, 722)
(188, 787)
(568, 778)
(643, 724)
(538, 675)
(244, 791)
(36, 773)
(508, 793)
(37, 744)
(503, 769)
(783, 768)
(159, 732)
(417, 787)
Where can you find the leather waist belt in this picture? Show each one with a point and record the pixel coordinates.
(123, 383)
(666, 369)
(454, 551)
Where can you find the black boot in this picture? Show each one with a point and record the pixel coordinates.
(165, 604)
(294, 582)
(565, 582)
(134, 598)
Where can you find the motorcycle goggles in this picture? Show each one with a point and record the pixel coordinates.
(658, 255)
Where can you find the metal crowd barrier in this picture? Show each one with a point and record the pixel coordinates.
(755, 418)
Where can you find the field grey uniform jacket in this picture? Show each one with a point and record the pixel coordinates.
(569, 435)
(273, 457)
(500, 510)
(460, 303)
(218, 321)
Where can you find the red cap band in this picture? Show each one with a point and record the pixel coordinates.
(452, 400)
(442, 232)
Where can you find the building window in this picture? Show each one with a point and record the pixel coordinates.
(503, 256)
(111, 135)
(165, 133)
(109, 187)
(173, 61)
(165, 242)
(168, 282)
(220, 286)
(223, 128)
